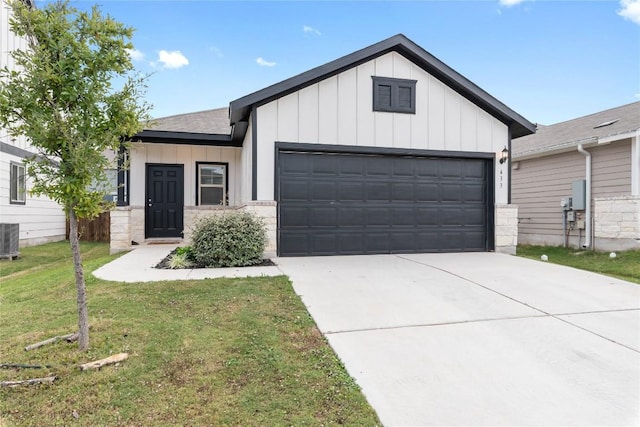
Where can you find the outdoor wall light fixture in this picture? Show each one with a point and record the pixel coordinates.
(504, 155)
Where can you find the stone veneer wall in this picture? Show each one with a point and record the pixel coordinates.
(506, 223)
(617, 223)
(127, 223)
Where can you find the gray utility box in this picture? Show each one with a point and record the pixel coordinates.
(578, 194)
(9, 240)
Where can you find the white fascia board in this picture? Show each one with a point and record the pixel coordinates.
(612, 138)
(555, 149)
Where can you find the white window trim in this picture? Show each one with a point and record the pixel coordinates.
(14, 182)
(224, 185)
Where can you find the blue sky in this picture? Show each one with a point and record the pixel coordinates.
(548, 60)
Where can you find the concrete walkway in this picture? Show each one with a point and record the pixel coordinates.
(479, 339)
(138, 266)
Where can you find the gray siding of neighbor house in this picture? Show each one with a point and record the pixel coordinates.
(540, 183)
(612, 169)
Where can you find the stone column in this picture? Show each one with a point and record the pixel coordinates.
(506, 228)
(120, 229)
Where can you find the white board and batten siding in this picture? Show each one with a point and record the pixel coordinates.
(186, 155)
(245, 168)
(339, 110)
(540, 183)
(41, 219)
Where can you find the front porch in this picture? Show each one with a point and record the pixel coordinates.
(128, 224)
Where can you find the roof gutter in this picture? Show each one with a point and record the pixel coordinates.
(555, 149)
(587, 233)
(568, 146)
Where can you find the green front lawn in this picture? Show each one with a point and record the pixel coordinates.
(211, 352)
(626, 265)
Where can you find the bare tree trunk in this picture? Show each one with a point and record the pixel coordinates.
(83, 314)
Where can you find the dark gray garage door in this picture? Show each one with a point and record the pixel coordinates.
(344, 203)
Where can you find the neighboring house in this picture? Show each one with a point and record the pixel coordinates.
(546, 165)
(386, 150)
(40, 219)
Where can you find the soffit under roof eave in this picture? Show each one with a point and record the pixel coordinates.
(185, 138)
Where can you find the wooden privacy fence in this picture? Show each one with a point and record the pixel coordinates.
(94, 230)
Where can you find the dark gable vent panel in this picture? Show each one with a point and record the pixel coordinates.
(404, 97)
(384, 96)
(394, 95)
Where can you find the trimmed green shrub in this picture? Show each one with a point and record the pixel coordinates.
(233, 239)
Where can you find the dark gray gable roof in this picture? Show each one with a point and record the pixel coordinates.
(240, 109)
(626, 119)
(210, 127)
(210, 121)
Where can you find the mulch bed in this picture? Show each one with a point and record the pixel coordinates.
(164, 264)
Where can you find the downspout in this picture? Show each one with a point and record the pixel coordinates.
(587, 225)
(509, 166)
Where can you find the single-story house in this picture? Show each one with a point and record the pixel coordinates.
(385, 150)
(599, 154)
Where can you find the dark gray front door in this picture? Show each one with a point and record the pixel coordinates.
(165, 201)
(343, 203)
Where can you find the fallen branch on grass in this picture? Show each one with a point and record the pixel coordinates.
(22, 366)
(68, 338)
(33, 381)
(102, 362)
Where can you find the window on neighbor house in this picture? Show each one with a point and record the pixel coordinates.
(394, 95)
(18, 184)
(212, 184)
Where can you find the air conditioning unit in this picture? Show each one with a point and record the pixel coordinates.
(9, 240)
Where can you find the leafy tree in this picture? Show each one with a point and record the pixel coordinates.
(74, 94)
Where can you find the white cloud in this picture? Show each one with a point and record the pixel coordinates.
(135, 54)
(310, 30)
(173, 59)
(630, 10)
(509, 3)
(264, 63)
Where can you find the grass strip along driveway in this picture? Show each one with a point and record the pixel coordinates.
(625, 266)
(208, 352)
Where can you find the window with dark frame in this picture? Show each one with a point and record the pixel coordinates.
(212, 184)
(394, 95)
(18, 184)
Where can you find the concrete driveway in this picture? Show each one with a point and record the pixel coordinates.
(479, 339)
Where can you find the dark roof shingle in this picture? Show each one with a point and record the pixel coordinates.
(210, 122)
